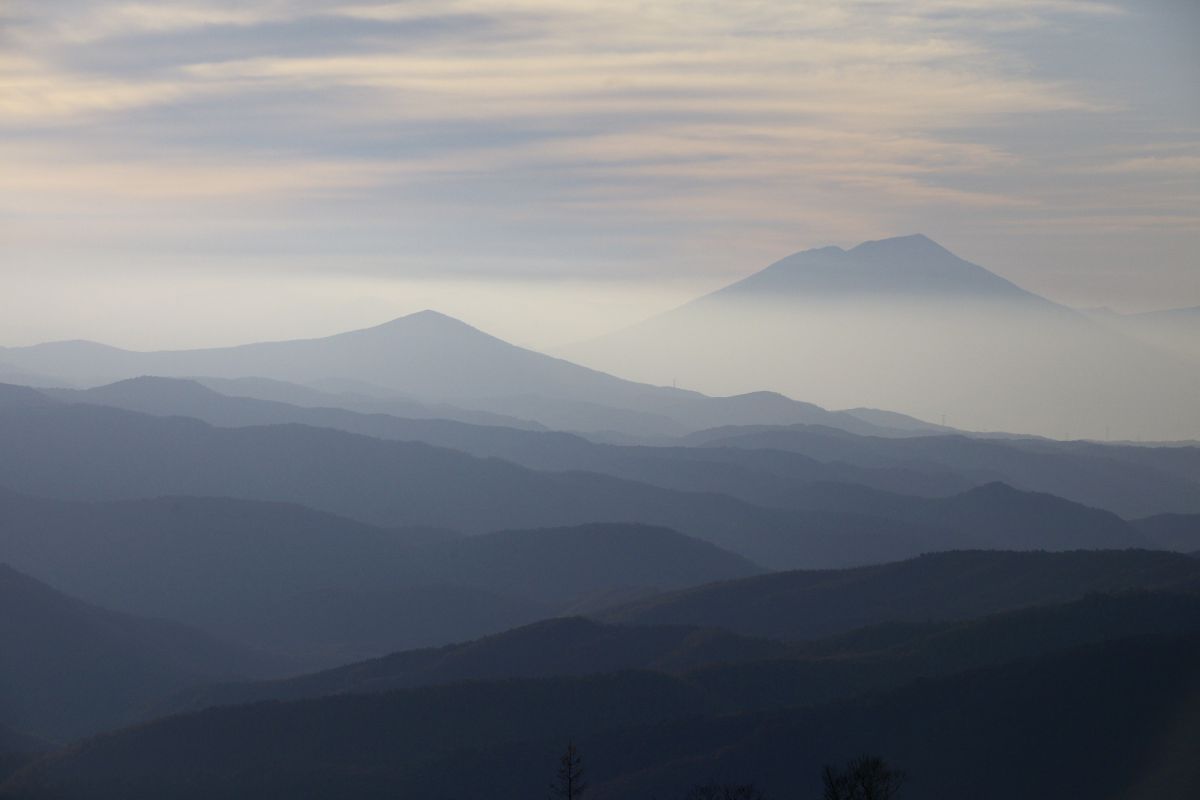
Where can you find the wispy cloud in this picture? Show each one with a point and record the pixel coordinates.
(741, 128)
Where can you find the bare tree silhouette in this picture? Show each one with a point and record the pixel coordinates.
(864, 778)
(570, 783)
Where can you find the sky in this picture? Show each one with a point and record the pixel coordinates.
(206, 173)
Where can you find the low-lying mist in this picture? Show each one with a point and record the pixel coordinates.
(977, 365)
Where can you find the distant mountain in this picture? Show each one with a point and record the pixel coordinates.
(1102, 720)
(555, 647)
(11, 374)
(17, 750)
(937, 587)
(905, 266)
(68, 668)
(1178, 532)
(12, 742)
(766, 479)
(563, 565)
(903, 324)
(434, 359)
(1129, 480)
(75, 451)
(747, 673)
(325, 589)
(752, 464)
(84, 452)
(382, 402)
(994, 515)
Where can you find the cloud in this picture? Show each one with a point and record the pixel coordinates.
(1167, 164)
(567, 135)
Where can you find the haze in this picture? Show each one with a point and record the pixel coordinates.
(619, 400)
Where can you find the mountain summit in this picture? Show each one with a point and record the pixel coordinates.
(906, 266)
(905, 324)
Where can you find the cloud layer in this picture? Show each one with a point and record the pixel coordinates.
(635, 142)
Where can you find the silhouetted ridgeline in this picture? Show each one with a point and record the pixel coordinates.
(433, 358)
(942, 586)
(746, 673)
(91, 452)
(760, 464)
(1101, 720)
(324, 589)
(68, 668)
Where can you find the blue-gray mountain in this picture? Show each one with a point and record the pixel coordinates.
(84, 452)
(430, 365)
(906, 325)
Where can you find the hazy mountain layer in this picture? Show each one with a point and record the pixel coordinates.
(90, 452)
(1113, 717)
(431, 358)
(68, 668)
(903, 324)
(325, 589)
(1134, 481)
(942, 586)
(748, 673)
(763, 478)
(751, 463)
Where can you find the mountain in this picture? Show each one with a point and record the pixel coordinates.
(1113, 719)
(13, 742)
(324, 589)
(564, 565)
(903, 324)
(17, 750)
(994, 515)
(936, 587)
(1178, 532)
(375, 402)
(1091, 722)
(1134, 481)
(11, 374)
(435, 359)
(747, 673)
(734, 465)
(76, 451)
(68, 668)
(905, 266)
(81, 452)
(1131, 480)
(761, 478)
(555, 647)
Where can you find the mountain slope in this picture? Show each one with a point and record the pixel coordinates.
(68, 668)
(1091, 722)
(90, 452)
(1132, 481)
(556, 647)
(942, 586)
(904, 266)
(747, 673)
(905, 325)
(1178, 532)
(1113, 719)
(325, 589)
(435, 358)
(732, 460)
(757, 478)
